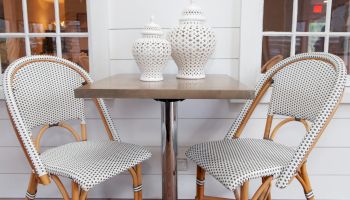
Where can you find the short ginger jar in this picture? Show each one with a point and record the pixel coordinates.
(151, 52)
(192, 43)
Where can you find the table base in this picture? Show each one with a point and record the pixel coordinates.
(169, 148)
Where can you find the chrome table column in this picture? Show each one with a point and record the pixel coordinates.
(169, 148)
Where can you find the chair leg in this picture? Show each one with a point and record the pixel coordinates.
(244, 190)
(139, 178)
(75, 191)
(200, 183)
(60, 187)
(134, 171)
(236, 193)
(32, 187)
(267, 192)
(83, 195)
(305, 182)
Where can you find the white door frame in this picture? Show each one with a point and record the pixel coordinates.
(251, 40)
(98, 19)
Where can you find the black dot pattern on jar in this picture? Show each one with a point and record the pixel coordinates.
(192, 44)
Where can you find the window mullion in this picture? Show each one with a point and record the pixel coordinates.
(328, 24)
(58, 29)
(294, 27)
(26, 27)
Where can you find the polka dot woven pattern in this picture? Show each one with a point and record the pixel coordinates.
(92, 162)
(151, 56)
(39, 91)
(297, 94)
(232, 162)
(44, 93)
(192, 45)
(308, 86)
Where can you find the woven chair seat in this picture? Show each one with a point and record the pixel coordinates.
(234, 161)
(92, 162)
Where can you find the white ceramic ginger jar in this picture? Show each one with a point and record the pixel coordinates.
(192, 43)
(151, 52)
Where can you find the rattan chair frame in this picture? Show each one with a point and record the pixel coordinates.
(77, 192)
(264, 190)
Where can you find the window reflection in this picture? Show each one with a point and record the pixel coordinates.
(311, 16)
(340, 46)
(340, 21)
(273, 46)
(306, 44)
(278, 15)
(11, 17)
(43, 45)
(41, 16)
(73, 16)
(75, 49)
(10, 50)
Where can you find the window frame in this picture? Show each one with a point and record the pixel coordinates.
(252, 34)
(27, 35)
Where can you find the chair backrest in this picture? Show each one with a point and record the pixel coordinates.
(307, 87)
(39, 90)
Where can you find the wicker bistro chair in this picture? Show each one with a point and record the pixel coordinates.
(39, 91)
(306, 88)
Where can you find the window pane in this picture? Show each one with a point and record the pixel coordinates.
(306, 44)
(311, 16)
(273, 46)
(43, 46)
(340, 16)
(41, 16)
(341, 46)
(10, 50)
(278, 15)
(76, 50)
(11, 17)
(73, 16)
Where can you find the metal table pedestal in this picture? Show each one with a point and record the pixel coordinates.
(169, 148)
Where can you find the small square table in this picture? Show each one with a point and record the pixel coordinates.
(168, 92)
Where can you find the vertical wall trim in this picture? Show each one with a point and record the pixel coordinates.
(98, 20)
(58, 28)
(26, 26)
(251, 36)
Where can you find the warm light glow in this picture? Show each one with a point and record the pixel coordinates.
(317, 8)
(51, 1)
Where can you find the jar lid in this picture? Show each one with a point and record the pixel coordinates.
(152, 28)
(192, 13)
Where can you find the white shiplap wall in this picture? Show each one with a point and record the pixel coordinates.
(200, 120)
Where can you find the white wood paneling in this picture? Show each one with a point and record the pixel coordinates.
(120, 187)
(135, 13)
(147, 132)
(121, 42)
(214, 66)
(114, 25)
(17, 164)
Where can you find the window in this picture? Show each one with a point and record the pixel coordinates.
(297, 26)
(43, 27)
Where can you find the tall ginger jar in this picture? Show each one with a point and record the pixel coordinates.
(192, 43)
(151, 52)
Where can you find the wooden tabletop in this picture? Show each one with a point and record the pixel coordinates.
(129, 86)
